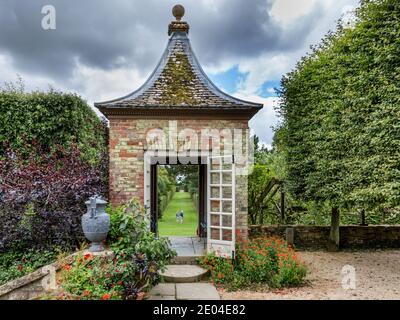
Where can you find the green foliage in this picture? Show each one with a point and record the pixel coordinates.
(165, 188)
(258, 182)
(130, 234)
(48, 119)
(93, 278)
(264, 185)
(15, 264)
(173, 178)
(139, 255)
(260, 261)
(340, 109)
(221, 269)
(186, 176)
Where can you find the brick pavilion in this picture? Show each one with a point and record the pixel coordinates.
(179, 116)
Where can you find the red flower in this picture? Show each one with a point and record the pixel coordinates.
(67, 267)
(87, 256)
(106, 296)
(86, 293)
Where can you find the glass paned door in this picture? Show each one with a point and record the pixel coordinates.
(221, 206)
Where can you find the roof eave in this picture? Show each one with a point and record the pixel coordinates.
(245, 112)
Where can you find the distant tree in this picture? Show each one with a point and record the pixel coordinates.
(260, 151)
(186, 176)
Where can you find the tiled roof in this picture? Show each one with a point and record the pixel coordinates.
(178, 82)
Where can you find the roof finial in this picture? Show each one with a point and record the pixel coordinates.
(178, 11)
(178, 26)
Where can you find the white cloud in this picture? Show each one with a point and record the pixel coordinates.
(287, 11)
(262, 60)
(263, 122)
(271, 66)
(264, 68)
(102, 85)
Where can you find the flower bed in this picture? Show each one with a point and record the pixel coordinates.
(261, 260)
(137, 257)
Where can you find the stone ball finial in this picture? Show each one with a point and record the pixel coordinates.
(178, 11)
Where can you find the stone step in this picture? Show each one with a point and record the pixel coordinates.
(183, 273)
(185, 260)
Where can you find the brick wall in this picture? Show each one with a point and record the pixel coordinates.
(127, 148)
(316, 237)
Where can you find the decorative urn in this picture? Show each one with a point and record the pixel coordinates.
(96, 223)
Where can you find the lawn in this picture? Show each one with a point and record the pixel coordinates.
(168, 226)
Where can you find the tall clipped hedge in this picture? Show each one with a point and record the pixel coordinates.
(48, 119)
(53, 157)
(166, 189)
(341, 109)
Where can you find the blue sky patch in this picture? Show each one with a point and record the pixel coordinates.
(267, 89)
(229, 81)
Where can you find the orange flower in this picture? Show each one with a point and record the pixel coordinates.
(86, 293)
(87, 256)
(67, 267)
(106, 296)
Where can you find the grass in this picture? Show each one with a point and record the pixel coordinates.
(168, 226)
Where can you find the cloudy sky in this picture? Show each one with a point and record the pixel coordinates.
(105, 49)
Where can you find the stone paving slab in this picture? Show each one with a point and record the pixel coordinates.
(196, 291)
(161, 298)
(184, 291)
(185, 252)
(188, 246)
(180, 241)
(164, 289)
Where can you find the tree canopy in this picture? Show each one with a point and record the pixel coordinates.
(340, 110)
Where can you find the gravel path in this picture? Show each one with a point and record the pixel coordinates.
(377, 277)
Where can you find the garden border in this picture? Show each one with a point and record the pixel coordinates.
(31, 285)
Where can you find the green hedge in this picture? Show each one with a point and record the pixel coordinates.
(340, 128)
(48, 119)
(195, 199)
(166, 190)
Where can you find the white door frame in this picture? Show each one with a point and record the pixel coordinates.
(223, 248)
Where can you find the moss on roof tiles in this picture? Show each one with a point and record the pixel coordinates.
(178, 80)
